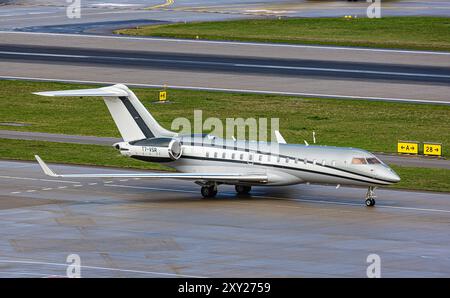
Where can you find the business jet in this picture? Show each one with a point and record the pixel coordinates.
(210, 161)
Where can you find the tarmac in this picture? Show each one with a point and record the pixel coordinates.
(162, 228)
(298, 70)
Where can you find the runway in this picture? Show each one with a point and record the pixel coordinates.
(406, 160)
(415, 76)
(98, 16)
(161, 228)
(227, 64)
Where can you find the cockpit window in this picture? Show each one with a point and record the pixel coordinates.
(373, 160)
(359, 161)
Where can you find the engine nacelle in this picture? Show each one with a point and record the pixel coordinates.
(154, 149)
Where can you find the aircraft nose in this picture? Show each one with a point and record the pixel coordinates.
(392, 176)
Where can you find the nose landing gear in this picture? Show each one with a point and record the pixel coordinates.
(370, 197)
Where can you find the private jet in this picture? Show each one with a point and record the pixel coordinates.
(211, 161)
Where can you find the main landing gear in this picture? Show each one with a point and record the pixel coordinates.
(210, 190)
(370, 197)
(243, 189)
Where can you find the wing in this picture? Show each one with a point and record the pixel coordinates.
(260, 178)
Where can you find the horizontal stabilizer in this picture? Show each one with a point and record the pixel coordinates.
(111, 91)
(261, 178)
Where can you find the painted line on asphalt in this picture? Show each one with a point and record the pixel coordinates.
(233, 43)
(231, 90)
(238, 65)
(36, 179)
(99, 268)
(293, 200)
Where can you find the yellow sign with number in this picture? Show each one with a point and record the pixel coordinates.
(432, 149)
(162, 95)
(408, 147)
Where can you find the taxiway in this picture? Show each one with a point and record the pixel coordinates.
(162, 228)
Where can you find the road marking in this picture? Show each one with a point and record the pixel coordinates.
(294, 200)
(6, 273)
(31, 190)
(92, 183)
(166, 4)
(62, 187)
(152, 188)
(101, 268)
(78, 185)
(15, 192)
(235, 43)
(259, 66)
(36, 179)
(337, 96)
(123, 180)
(107, 182)
(47, 188)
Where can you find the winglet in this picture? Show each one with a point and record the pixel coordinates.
(280, 139)
(44, 167)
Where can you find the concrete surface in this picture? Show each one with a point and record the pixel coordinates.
(415, 76)
(161, 228)
(50, 15)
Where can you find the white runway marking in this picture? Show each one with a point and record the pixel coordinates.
(92, 183)
(147, 39)
(36, 179)
(153, 188)
(47, 188)
(321, 95)
(30, 274)
(335, 70)
(100, 268)
(294, 200)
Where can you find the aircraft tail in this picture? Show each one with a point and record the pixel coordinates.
(131, 117)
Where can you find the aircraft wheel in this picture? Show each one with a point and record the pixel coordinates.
(208, 191)
(370, 202)
(242, 189)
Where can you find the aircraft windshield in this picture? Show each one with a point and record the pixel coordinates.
(373, 160)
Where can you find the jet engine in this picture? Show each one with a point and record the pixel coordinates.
(154, 149)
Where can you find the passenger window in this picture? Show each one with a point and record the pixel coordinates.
(215, 154)
(268, 158)
(260, 158)
(242, 156)
(233, 156)
(296, 160)
(287, 159)
(223, 155)
(359, 161)
(207, 153)
(250, 157)
(278, 159)
(305, 161)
